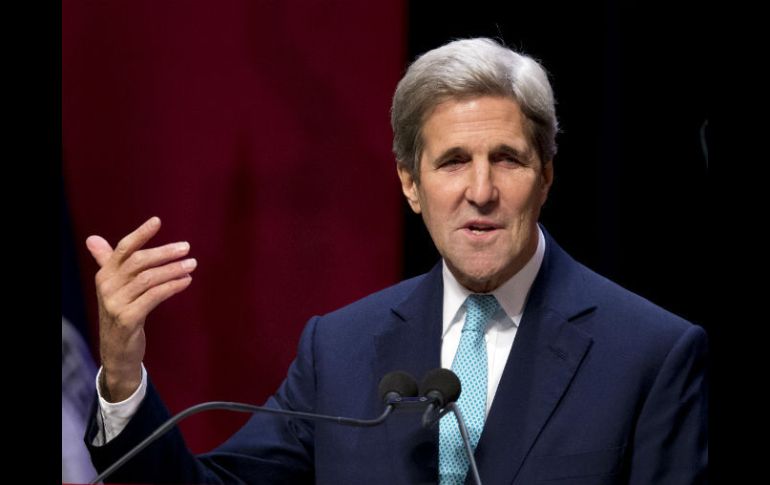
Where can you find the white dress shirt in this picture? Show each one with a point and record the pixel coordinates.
(499, 335)
(501, 329)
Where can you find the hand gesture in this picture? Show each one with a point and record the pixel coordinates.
(130, 283)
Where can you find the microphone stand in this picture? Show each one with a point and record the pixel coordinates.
(243, 408)
(453, 407)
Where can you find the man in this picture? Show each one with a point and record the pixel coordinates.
(567, 378)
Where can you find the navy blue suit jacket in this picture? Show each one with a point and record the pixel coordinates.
(601, 387)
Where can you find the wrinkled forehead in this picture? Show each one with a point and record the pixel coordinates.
(476, 124)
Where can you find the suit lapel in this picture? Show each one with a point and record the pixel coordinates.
(545, 356)
(412, 343)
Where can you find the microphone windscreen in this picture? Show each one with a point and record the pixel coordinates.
(399, 382)
(443, 381)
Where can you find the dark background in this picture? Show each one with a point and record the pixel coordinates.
(630, 195)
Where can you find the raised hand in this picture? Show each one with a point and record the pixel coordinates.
(130, 283)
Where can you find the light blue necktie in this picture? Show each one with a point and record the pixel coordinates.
(470, 365)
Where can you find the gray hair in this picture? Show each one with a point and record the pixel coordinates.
(465, 69)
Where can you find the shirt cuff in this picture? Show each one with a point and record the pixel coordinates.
(116, 415)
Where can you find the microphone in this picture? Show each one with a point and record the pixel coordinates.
(393, 386)
(441, 386)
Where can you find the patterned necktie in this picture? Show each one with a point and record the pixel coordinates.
(470, 365)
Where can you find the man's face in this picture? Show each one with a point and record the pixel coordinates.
(481, 188)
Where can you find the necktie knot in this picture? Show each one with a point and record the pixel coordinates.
(480, 309)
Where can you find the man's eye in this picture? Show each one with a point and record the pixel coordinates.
(451, 162)
(510, 159)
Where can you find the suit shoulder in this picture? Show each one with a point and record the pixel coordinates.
(375, 305)
(631, 332)
(632, 311)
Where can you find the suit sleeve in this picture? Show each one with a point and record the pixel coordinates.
(267, 449)
(670, 444)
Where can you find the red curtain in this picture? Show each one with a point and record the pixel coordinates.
(258, 132)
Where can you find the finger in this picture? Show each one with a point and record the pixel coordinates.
(154, 257)
(112, 280)
(156, 295)
(135, 240)
(100, 249)
(146, 280)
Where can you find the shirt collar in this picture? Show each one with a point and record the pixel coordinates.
(511, 295)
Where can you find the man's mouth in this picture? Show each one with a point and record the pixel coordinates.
(480, 227)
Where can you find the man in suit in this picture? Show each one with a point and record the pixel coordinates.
(567, 378)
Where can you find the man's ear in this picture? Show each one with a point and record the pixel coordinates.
(546, 181)
(409, 188)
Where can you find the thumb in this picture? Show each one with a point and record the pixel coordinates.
(100, 249)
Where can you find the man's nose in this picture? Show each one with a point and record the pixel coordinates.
(481, 190)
